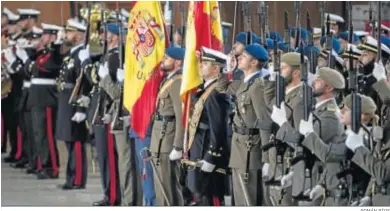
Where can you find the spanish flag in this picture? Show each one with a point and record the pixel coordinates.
(145, 49)
(204, 29)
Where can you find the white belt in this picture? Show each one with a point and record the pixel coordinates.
(26, 84)
(43, 81)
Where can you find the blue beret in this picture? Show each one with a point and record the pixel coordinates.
(303, 33)
(270, 44)
(283, 46)
(335, 44)
(308, 49)
(274, 35)
(241, 37)
(345, 36)
(385, 41)
(257, 51)
(113, 28)
(175, 53)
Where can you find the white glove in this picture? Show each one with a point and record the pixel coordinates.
(126, 120)
(175, 155)
(310, 78)
(9, 55)
(102, 72)
(306, 127)
(316, 192)
(365, 201)
(60, 37)
(279, 114)
(22, 54)
(84, 101)
(286, 180)
(106, 118)
(84, 54)
(354, 141)
(120, 75)
(79, 117)
(272, 74)
(379, 71)
(265, 169)
(22, 43)
(206, 166)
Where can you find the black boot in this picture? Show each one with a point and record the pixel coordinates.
(103, 202)
(9, 159)
(21, 163)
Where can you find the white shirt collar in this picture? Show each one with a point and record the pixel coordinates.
(293, 88)
(76, 47)
(247, 78)
(323, 102)
(208, 82)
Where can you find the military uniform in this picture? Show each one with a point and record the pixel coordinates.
(167, 134)
(251, 130)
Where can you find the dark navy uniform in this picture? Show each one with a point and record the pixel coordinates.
(209, 144)
(72, 133)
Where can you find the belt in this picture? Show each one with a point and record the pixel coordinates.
(246, 131)
(68, 85)
(43, 81)
(159, 117)
(26, 84)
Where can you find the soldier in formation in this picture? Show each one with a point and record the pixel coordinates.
(304, 132)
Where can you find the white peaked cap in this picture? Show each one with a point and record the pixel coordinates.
(28, 12)
(73, 24)
(334, 18)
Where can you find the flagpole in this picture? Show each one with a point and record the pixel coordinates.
(187, 122)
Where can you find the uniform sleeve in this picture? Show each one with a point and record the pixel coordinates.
(174, 93)
(16, 66)
(382, 87)
(112, 88)
(375, 167)
(224, 85)
(264, 122)
(327, 127)
(113, 64)
(217, 110)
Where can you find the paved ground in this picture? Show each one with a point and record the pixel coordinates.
(20, 189)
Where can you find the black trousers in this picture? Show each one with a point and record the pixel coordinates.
(77, 167)
(27, 140)
(45, 153)
(9, 124)
(108, 163)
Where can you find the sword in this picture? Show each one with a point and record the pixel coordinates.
(245, 190)
(198, 164)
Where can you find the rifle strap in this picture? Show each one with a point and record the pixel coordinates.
(197, 113)
(166, 86)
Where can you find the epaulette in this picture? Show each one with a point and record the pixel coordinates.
(259, 80)
(331, 108)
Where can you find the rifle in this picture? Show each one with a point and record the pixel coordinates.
(329, 44)
(182, 13)
(371, 20)
(79, 80)
(379, 54)
(322, 12)
(297, 24)
(287, 32)
(262, 12)
(117, 123)
(312, 56)
(169, 11)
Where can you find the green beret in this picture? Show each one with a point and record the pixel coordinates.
(331, 77)
(368, 105)
(291, 59)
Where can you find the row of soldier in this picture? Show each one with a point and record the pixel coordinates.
(245, 81)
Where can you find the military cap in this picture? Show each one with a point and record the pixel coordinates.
(324, 54)
(307, 50)
(274, 35)
(50, 28)
(367, 104)
(355, 52)
(331, 77)
(12, 17)
(384, 28)
(75, 25)
(5, 11)
(213, 55)
(283, 46)
(371, 44)
(175, 53)
(335, 44)
(345, 36)
(28, 13)
(113, 28)
(35, 33)
(257, 51)
(291, 58)
(242, 37)
(125, 14)
(333, 18)
(317, 32)
(303, 33)
(361, 34)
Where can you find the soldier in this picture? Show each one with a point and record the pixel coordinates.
(43, 100)
(9, 108)
(252, 125)
(336, 22)
(25, 51)
(28, 19)
(70, 125)
(281, 169)
(327, 84)
(207, 134)
(303, 34)
(167, 132)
